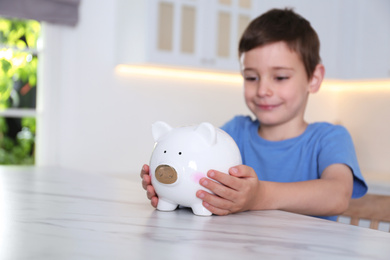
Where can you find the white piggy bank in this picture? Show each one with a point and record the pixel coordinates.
(182, 156)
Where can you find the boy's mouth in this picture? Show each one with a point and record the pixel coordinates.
(267, 107)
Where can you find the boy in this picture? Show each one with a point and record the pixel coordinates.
(288, 164)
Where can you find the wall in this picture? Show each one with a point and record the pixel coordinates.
(366, 115)
(94, 120)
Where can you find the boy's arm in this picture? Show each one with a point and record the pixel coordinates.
(241, 191)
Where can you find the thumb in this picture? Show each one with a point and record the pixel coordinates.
(242, 171)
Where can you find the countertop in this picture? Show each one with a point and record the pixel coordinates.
(55, 213)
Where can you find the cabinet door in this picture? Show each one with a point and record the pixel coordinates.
(175, 32)
(182, 33)
(229, 20)
(372, 40)
(200, 33)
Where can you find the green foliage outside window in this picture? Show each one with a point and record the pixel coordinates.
(18, 82)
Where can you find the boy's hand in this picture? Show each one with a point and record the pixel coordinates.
(234, 193)
(147, 185)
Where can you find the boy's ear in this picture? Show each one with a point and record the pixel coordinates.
(316, 79)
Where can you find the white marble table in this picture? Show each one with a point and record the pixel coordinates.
(49, 213)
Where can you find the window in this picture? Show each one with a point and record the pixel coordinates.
(18, 88)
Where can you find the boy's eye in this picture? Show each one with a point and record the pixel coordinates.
(280, 78)
(251, 78)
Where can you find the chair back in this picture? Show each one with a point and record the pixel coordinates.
(372, 208)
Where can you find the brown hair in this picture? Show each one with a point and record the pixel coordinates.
(287, 26)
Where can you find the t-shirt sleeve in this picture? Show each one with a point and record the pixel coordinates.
(230, 127)
(337, 147)
(235, 125)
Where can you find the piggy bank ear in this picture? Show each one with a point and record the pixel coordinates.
(208, 132)
(160, 129)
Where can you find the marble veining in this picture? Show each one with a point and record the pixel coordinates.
(52, 213)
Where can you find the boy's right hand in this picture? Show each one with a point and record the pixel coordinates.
(147, 185)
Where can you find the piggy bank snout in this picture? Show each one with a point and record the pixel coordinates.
(166, 174)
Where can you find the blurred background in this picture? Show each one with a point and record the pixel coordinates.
(104, 76)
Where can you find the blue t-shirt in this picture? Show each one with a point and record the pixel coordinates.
(297, 159)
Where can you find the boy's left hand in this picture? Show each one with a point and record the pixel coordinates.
(234, 193)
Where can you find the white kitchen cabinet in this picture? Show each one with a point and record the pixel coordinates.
(360, 39)
(182, 33)
(372, 40)
(354, 34)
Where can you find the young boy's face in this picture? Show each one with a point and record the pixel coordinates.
(276, 85)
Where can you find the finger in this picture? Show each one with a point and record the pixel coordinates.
(217, 203)
(212, 203)
(242, 171)
(215, 210)
(146, 181)
(225, 179)
(144, 170)
(150, 192)
(154, 202)
(218, 188)
(235, 171)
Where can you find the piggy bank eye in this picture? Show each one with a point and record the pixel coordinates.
(165, 151)
(179, 153)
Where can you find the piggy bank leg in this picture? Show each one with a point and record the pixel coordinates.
(200, 210)
(164, 205)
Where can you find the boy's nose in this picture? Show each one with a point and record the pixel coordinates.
(264, 89)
